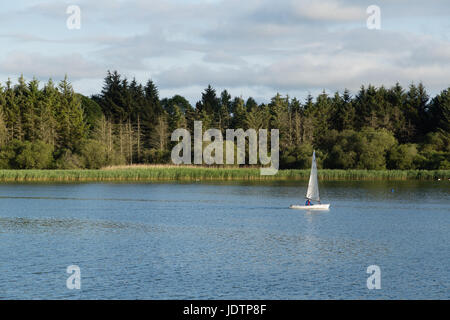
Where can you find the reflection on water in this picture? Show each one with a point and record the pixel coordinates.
(22, 225)
(224, 241)
(100, 199)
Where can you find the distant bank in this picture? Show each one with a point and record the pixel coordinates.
(173, 173)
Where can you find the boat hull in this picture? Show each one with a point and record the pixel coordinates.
(313, 207)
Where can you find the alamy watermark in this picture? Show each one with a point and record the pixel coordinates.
(374, 20)
(74, 20)
(213, 153)
(74, 280)
(374, 281)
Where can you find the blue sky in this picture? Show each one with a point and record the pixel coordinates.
(253, 48)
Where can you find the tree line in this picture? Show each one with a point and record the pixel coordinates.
(127, 123)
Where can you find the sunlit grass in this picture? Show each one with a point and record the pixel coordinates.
(161, 173)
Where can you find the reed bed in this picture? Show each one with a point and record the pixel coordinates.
(173, 173)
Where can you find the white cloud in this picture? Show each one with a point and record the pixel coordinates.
(253, 45)
(35, 64)
(341, 64)
(328, 10)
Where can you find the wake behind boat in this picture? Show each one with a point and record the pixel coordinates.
(313, 191)
(311, 207)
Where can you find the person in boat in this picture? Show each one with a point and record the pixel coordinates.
(308, 203)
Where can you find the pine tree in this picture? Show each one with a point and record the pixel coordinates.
(225, 111)
(254, 119)
(440, 111)
(239, 114)
(152, 111)
(111, 98)
(71, 125)
(47, 125)
(250, 104)
(3, 129)
(177, 120)
(279, 108)
(210, 104)
(22, 101)
(295, 114)
(308, 120)
(12, 113)
(415, 111)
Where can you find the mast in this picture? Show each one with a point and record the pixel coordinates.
(313, 185)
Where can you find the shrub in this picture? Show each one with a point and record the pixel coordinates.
(297, 158)
(68, 160)
(28, 155)
(375, 144)
(402, 157)
(94, 154)
(157, 156)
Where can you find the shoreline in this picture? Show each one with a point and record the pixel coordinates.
(172, 173)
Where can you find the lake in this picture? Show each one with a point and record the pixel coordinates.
(225, 240)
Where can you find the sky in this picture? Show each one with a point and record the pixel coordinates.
(249, 47)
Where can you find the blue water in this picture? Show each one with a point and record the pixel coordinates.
(224, 241)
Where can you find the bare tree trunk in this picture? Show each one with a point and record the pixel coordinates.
(109, 124)
(130, 142)
(120, 139)
(138, 139)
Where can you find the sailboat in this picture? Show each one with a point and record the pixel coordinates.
(313, 190)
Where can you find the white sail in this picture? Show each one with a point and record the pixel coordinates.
(313, 191)
(313, 186)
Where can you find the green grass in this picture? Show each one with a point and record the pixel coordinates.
(202, 173)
